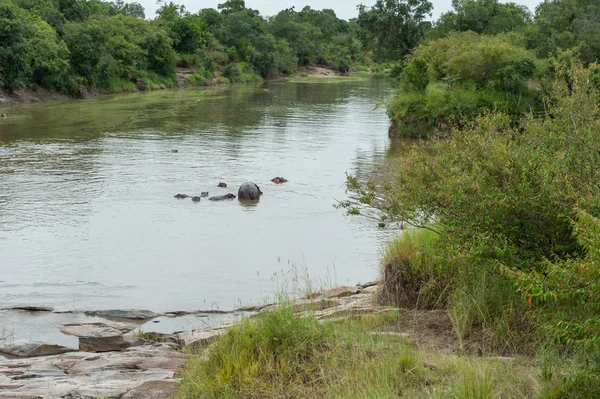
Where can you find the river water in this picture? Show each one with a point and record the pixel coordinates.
(88, 219)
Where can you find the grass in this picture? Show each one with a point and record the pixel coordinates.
(413, 274)
(285, 355)
(117, 85)
(148, 335)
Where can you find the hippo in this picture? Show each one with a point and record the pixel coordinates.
(249, 192)
(278, 180)
(204, 194)
(174, 151)
(195, 198)
(222, 197)
(181, 196)
(221, 184)
(3, 115)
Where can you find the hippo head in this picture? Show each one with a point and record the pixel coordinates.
(230, 196)
(249, 192)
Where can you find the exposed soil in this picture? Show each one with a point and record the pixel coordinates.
(427, 329)
(433, 330)
(322, 72)
(35, 94)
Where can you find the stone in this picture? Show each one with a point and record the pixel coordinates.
(97, 329)
(24, 348)
(320, 304)
(104, 336)
(146, 372)
(371, 289)
(198, 338)
(109, 343)
(250, 308)
(249, 192)
(30, 308)
(304, 305)
(369, 284)
(355, 312)
(153, 390)
(339, 292)
(133, 314)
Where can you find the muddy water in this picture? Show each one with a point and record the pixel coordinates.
(87, 214)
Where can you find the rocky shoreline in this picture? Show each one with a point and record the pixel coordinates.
(114, 360)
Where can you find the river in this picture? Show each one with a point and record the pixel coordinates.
(87, 214)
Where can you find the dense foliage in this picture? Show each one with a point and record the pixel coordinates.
(77, 45)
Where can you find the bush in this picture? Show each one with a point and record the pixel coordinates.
(564, 299)
(503, 196)
(438, 109)
(414, 78)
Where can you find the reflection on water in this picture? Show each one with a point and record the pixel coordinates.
(87, 214)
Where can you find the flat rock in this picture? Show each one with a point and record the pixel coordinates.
(24, 348)
(339, 292)
(146, 372)
(369, 284)
(133, 314)
(305, 305)
(30, 308)
(97, 329)
(153, 390)
(109, 343)
(355, 312)
(199, 338)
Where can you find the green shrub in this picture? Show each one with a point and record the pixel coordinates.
(502, 195)
(414, 77)
(564, 298)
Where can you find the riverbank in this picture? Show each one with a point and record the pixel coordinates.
(340, 342)
(37, 94)
(114, 356)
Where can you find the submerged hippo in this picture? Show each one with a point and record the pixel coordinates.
(3, 115)
(222, 197)
(181, 196)
(174, 151)
(195, 198)
(221, 184)
(278, 180)
(249, 192)
(204, 194)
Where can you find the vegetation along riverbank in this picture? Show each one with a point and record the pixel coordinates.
(80, 48)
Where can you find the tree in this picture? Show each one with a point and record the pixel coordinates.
(481, 16)
(134, 9)
(30, 50)
(567, 25)
(232, 6)
(392, 28)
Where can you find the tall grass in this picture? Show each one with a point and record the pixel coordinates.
(118, 85)
(285, 355)
(413, 274)
(423, 270)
